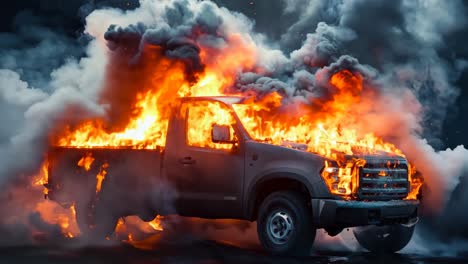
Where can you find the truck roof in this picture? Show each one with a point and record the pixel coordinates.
(224, 99)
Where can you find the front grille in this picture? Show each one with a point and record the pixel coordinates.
(383, 179)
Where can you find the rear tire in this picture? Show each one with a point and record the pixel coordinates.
(284, 224)
(383, 239)
(95, 223)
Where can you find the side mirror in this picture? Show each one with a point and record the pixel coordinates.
(221, 134)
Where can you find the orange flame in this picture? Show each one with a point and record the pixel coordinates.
(54, 214)
(416, 182)
(86, 161)
(343, 180)
(101, 176)
(201, 118)
(139, 234)
(43, 177)
(156, 223)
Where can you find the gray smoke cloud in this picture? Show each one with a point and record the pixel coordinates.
(44, 73)
(395, 45)
(34, 50)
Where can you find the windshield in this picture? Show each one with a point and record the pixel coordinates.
(263, 124)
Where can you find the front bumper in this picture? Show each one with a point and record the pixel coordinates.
(339, 213)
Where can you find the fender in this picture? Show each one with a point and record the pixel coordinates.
(315, 189)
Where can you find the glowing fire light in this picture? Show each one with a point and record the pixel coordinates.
(201, 117)
(43, 177)
(101, 176)
(86, 161)
(416, 182)
(156, 223)
(139, 234)
(54, 214)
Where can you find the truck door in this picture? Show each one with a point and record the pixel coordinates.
(210, 173)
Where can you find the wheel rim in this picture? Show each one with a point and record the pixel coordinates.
(280, 227)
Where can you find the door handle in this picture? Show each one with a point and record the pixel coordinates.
(187, 160)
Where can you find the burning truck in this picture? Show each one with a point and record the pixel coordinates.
(221, 169)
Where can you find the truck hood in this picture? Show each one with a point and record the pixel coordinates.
(301, 149)
(263, 159)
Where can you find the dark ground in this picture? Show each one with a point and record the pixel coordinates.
(224, 245)
(198, 251)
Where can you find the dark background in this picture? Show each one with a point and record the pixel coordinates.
(67, 17)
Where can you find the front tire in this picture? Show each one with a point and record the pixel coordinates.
(384, 239)
(284, 224)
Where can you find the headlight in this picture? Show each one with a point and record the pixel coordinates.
(337, 179)
(331, 170)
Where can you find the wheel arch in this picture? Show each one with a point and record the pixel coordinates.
(273, 182)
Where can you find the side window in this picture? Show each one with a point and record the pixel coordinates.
(210, 125)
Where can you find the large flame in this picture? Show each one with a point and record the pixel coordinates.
(201, 116)
(264, 119)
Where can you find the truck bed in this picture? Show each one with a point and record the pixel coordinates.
(127, 175)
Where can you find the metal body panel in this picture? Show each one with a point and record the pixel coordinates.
(130, 179)
(265, 162)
